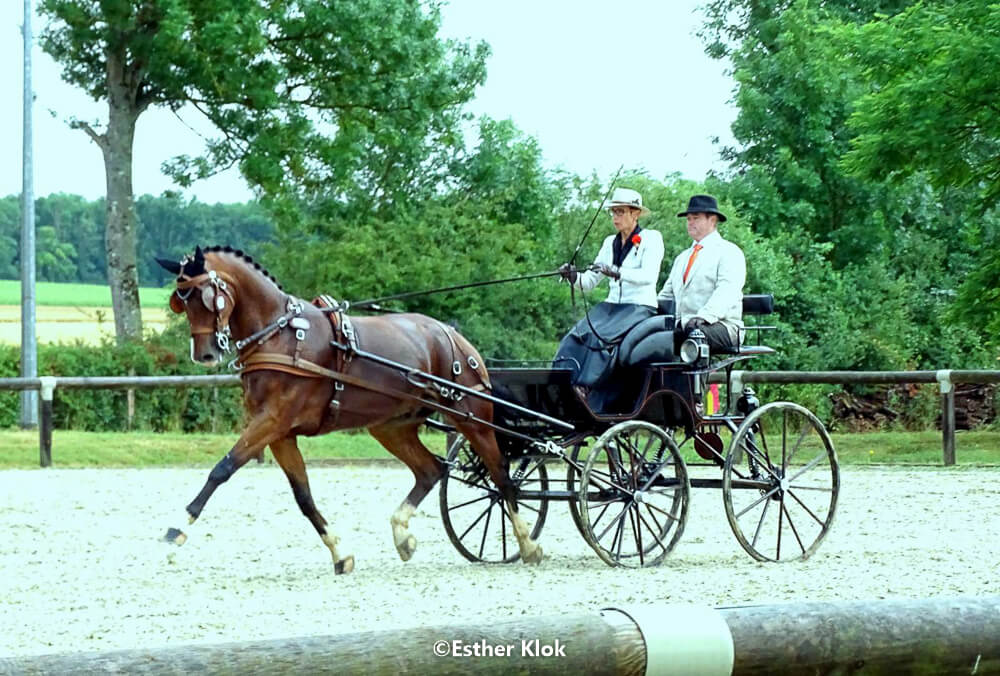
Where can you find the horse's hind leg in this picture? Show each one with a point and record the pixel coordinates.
(286, 453)
(484, 443)
(403, 442)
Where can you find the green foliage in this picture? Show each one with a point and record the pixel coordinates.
(312, 97)
(160, 409)
(934, 70)
(931, 112)
(502, 215)
(70, 235)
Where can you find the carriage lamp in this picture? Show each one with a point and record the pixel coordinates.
(694, 349)
(748, 401)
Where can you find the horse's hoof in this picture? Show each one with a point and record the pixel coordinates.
(534, 557)
(344, 566)
(175, 536)
(407, 547)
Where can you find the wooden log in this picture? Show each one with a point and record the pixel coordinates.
(585, 645)
(930, 636)
(671, 640)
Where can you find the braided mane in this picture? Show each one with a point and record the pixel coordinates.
(246, 258)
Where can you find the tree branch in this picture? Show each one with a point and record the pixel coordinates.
(100, 139)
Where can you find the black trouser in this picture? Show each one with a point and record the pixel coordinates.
(717, 335)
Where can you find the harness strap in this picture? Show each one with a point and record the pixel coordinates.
(273, 361)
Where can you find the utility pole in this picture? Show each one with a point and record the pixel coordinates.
(29, 341)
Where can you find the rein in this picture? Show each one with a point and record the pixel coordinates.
(372, 303)
(605, 344)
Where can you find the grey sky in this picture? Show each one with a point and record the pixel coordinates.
(598, 83)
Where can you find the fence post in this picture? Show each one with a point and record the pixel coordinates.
(46, 394)
(947, 416)
(734, 389)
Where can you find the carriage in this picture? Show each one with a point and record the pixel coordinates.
(626, 474)
(529, 437)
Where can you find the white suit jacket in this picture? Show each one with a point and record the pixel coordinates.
(639, 271)
(714, 287)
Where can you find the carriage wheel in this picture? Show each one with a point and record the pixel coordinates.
(633, 495)
(780, 482)
(475, 517)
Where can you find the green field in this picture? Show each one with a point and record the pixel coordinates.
(80, 295)
(19, 449)
(68, 313)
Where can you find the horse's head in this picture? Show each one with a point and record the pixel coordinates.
(208, 298)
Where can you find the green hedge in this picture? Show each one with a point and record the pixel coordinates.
(194, 409)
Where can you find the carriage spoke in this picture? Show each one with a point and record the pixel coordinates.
(485, 513)
(784, 440)
(486, 529)
(620, 536)
(637, 534)
(663, 511)
(781, 510)
(791, 525)
(618, 519)
(603, 512)
(761, 459)
(821, 522)
(760, 523)
(798, 444)
(470, 502)
(762, 498)
(658, 540)
(812, 463)
(478, 484)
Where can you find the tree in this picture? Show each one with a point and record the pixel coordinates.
(932, 112)
(801, 71)
(934, 108)
(340, 98)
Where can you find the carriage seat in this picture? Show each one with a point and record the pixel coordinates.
(652, 340)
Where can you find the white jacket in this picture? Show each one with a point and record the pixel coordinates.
(639, 271)
(714, 287)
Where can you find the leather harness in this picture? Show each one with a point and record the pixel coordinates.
(251, 359)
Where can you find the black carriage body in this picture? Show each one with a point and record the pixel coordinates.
(662, 394)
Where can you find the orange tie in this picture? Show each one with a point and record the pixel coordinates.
(694, 254)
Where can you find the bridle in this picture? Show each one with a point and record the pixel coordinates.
(217, 296)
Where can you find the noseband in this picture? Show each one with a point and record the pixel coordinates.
(217, 297)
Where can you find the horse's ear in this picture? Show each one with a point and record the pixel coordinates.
(170, 266)
(199, 255)
(176, 304)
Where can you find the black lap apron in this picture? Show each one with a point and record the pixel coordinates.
(591, 353)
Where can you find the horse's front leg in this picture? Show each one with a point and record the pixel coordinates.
(260, 432)
(286, 452)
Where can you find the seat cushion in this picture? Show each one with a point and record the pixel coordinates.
(651, 340)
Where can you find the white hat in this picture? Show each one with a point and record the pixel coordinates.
(624, 197)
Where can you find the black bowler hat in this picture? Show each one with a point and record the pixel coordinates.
(703, 204)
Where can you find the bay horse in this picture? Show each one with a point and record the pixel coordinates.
(299, 379)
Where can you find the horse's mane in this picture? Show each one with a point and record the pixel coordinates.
(244, 257)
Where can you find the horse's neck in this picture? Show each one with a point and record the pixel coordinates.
(258, 303)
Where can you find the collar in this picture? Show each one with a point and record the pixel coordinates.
(709, 239)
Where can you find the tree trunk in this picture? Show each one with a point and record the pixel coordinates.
(120, 232)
